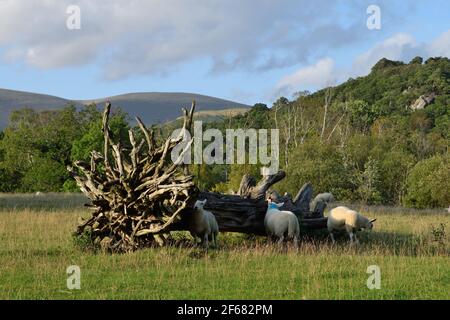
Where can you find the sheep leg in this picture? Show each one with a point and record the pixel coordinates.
(213, 239)
(205, 241)
(280, 241)
(333, 241)
(295, 242)
(353, 238)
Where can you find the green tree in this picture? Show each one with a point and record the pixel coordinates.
(395, 166)
(368, 182)
(428, 183)
(37, 146)
(319, 164)
(92, 139)
(44, 175)
(362, 115)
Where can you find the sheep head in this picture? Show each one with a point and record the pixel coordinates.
(369, 225)
(200, 204)
(274, 205)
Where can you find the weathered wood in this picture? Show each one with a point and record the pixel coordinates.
(244, 215)
(140, 196)
(303, 197)
(250, 189)
(134, 200)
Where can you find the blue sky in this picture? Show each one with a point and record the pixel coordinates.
(247, 51)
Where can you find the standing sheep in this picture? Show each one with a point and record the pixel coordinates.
(203, 225)
(278, 223)
(342, 218)
(325, 197)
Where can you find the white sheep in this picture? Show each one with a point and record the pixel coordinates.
(322, 197)
(342, 218)
(203, 225)
(278, 223)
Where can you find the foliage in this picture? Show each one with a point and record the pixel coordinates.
(368, 182)
(92, 139)
(37, 146)
(429, 182)
(44, 175)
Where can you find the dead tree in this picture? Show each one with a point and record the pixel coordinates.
(138, 196)
(244, 213)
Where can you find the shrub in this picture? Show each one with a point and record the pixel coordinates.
(44, 175)
(428, 183)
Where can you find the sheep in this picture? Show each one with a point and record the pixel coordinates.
(342, 218)
(322, 197)
(203, 225)
(278, 223)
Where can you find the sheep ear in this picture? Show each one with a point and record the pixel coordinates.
(373, 220)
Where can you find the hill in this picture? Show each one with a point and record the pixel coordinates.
(152, 107)
(12, 100)
(394, 86)
(161, 107)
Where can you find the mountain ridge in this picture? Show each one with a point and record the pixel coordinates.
(152, 107)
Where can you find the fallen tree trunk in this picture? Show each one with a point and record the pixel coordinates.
(139, 196)
(244, 213)
(235, 214)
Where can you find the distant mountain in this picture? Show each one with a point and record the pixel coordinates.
(151, 107)
(12, 100)
(161, 107)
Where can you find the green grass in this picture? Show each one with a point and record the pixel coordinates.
(36, 248)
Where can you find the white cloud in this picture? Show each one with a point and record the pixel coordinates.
(400, 47)
(141, 37)
(440, 46)
(319, 75)
(397, 47)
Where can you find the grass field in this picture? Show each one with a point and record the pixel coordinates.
(411, 247)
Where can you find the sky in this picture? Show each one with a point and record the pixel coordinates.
(247, 51)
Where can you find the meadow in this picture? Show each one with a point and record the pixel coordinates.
(411, 247)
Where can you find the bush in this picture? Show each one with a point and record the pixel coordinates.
(70, 186)
(428, 183)
(44, 175)
(319, 164)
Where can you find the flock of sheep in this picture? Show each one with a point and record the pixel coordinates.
(281, 224)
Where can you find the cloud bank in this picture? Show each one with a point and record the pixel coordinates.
(400, 46)
(153, 37)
